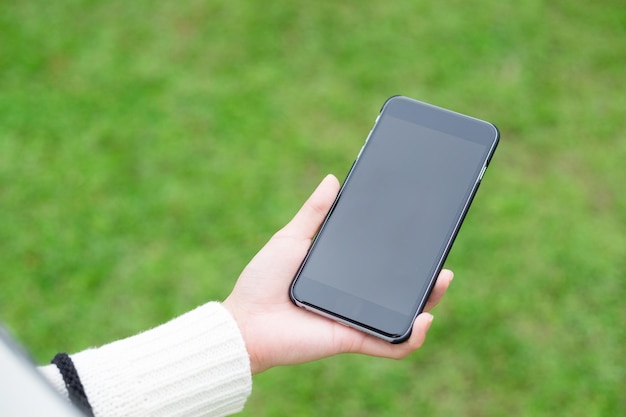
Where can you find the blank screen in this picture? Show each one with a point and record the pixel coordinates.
(393, 219)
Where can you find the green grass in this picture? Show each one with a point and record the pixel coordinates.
(149, 149)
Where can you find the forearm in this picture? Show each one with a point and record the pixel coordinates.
(194, 365)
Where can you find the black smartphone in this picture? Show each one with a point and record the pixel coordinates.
(377, 254)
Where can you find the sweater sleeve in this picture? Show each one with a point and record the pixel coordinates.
(194, 365)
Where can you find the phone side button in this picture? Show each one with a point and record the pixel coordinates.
(482, 172)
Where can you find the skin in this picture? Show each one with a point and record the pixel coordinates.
(275, 331)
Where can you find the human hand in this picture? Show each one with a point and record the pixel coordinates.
(275, 331)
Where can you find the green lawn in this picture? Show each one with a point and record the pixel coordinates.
(149, 149)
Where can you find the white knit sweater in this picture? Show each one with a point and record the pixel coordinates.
(195, 365)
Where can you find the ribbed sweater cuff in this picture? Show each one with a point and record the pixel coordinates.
(194, 365)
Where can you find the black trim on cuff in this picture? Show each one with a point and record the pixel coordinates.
(74, 387)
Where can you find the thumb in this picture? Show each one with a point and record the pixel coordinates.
(307, 221)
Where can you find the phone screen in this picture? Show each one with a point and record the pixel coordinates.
(376, 256)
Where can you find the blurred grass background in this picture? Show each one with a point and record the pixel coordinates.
(149, 149)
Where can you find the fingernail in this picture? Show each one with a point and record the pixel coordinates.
(430, 318)
(451, 275)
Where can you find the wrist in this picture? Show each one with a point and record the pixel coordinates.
(239, 317)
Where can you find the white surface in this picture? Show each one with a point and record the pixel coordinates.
(23, 391)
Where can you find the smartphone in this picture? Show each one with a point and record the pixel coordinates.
(377, 255)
